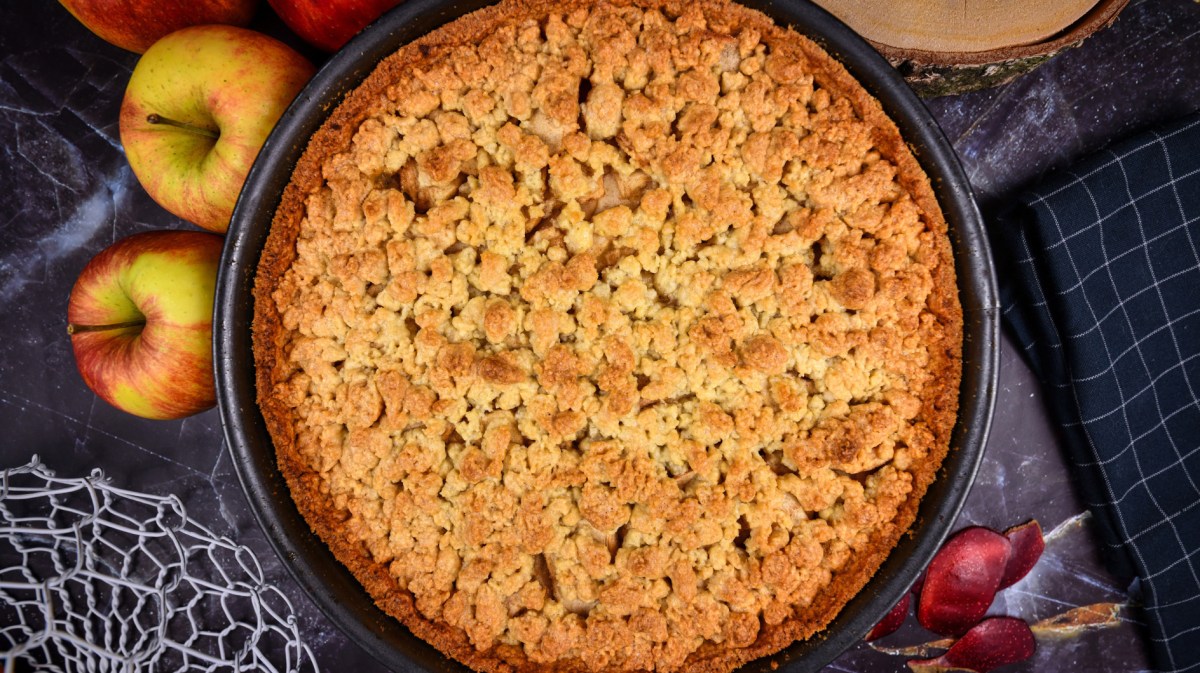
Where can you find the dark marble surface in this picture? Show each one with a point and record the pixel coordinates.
(66, 193)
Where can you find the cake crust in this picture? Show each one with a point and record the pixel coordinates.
(649, 373)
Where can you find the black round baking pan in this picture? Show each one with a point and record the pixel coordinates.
(334, 588)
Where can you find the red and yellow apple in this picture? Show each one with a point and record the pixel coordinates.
(198, 108)
(137, 24)
(140, 320)
(329, 24)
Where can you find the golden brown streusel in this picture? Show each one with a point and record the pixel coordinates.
(615, 336)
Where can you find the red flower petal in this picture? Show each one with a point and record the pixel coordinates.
(994, 642)
(892, 620)
(962, 580)
(1027, 546)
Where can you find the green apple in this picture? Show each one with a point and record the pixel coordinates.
(199, 105)
(140, 320)
(137, 24)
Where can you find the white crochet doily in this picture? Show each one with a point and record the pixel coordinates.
(97, 578)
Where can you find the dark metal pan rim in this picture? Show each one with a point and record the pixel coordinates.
(335, 590)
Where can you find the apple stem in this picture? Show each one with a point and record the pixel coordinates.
(199, 130)
(76, 329)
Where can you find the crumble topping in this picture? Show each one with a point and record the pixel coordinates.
(614, 336)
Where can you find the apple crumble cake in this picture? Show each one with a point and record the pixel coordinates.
(609, 336)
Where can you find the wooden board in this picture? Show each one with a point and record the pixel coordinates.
(946, 47)
(958, 25)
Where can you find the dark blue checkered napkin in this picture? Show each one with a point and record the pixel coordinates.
(1100, 284)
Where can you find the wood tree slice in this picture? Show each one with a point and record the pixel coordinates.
(958, 25)
(954, 47)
